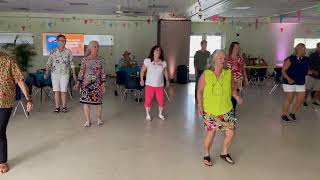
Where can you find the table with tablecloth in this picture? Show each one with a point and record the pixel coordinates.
(259, 70)
(37, 80)
(135, 70)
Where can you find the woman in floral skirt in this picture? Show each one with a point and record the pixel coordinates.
(91, 80)
(215, 88)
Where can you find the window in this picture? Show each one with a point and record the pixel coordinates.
(214, 42)
(195, 41)
(103, 40)
(19, 37)
(311, 43)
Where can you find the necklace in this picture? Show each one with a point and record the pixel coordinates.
(217, 87)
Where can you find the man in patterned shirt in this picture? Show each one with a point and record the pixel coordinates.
(10, 75)
(60, 61)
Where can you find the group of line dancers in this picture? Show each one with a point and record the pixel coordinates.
(219, 79)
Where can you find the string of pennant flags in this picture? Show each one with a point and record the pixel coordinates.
(260, 20)
(53, 22)
(49, 23)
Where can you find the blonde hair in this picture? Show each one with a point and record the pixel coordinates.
(213, 55)
(300, 45)
(88, 52)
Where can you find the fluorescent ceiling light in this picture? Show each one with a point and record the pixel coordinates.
(241, 8)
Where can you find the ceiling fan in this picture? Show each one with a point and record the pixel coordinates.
(126, 12)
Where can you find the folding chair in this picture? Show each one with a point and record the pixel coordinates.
(131, 84)
(19, 102)
(277, 78)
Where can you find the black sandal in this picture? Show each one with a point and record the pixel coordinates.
(207, 161)
(227, 158)
(64, 110)
(57, 110)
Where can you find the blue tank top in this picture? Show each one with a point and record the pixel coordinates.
(297, 70)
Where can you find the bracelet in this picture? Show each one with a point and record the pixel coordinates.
(29, 100)
(237, 97)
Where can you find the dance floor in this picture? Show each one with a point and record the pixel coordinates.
(52, 146)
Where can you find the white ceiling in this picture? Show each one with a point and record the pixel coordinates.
(258, 8)
(98, 7)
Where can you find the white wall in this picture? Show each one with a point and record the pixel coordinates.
(138, 36)
(267, 41)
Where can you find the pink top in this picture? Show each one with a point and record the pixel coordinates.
(236, 67)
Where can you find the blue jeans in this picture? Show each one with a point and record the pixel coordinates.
(198, 75)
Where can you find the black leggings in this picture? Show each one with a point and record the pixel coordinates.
(234, 102)
(4, 120)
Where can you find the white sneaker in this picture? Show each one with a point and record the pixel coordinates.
(162, 117)
(148, 118)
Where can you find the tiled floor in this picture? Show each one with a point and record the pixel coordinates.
(126, 147)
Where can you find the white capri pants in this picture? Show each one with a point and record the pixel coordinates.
(60, 82)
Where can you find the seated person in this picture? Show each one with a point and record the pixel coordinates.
(263, 62)
(245, 59)
(126, 60)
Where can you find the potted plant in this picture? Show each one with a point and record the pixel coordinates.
(23, 53)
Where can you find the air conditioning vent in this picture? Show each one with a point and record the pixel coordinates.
(78, 4)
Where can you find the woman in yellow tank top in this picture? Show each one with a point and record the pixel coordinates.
(215, 89)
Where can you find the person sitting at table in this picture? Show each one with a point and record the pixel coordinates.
(245, 59)
(263, 62)
(156, 69)
(59, 63)
(92, 81)
(126, 60)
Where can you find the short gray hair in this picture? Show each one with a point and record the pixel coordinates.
(213, 55)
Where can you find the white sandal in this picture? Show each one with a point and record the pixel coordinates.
(100, 122)
(148, 118)
(162, 117)
(87, 124)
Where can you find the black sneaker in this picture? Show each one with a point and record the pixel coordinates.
(57, 110)
(305, 104)
(285, 118)
(315, 103)
(64, 110)
(293, 116)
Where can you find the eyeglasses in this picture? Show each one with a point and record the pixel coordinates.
(62, 40)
